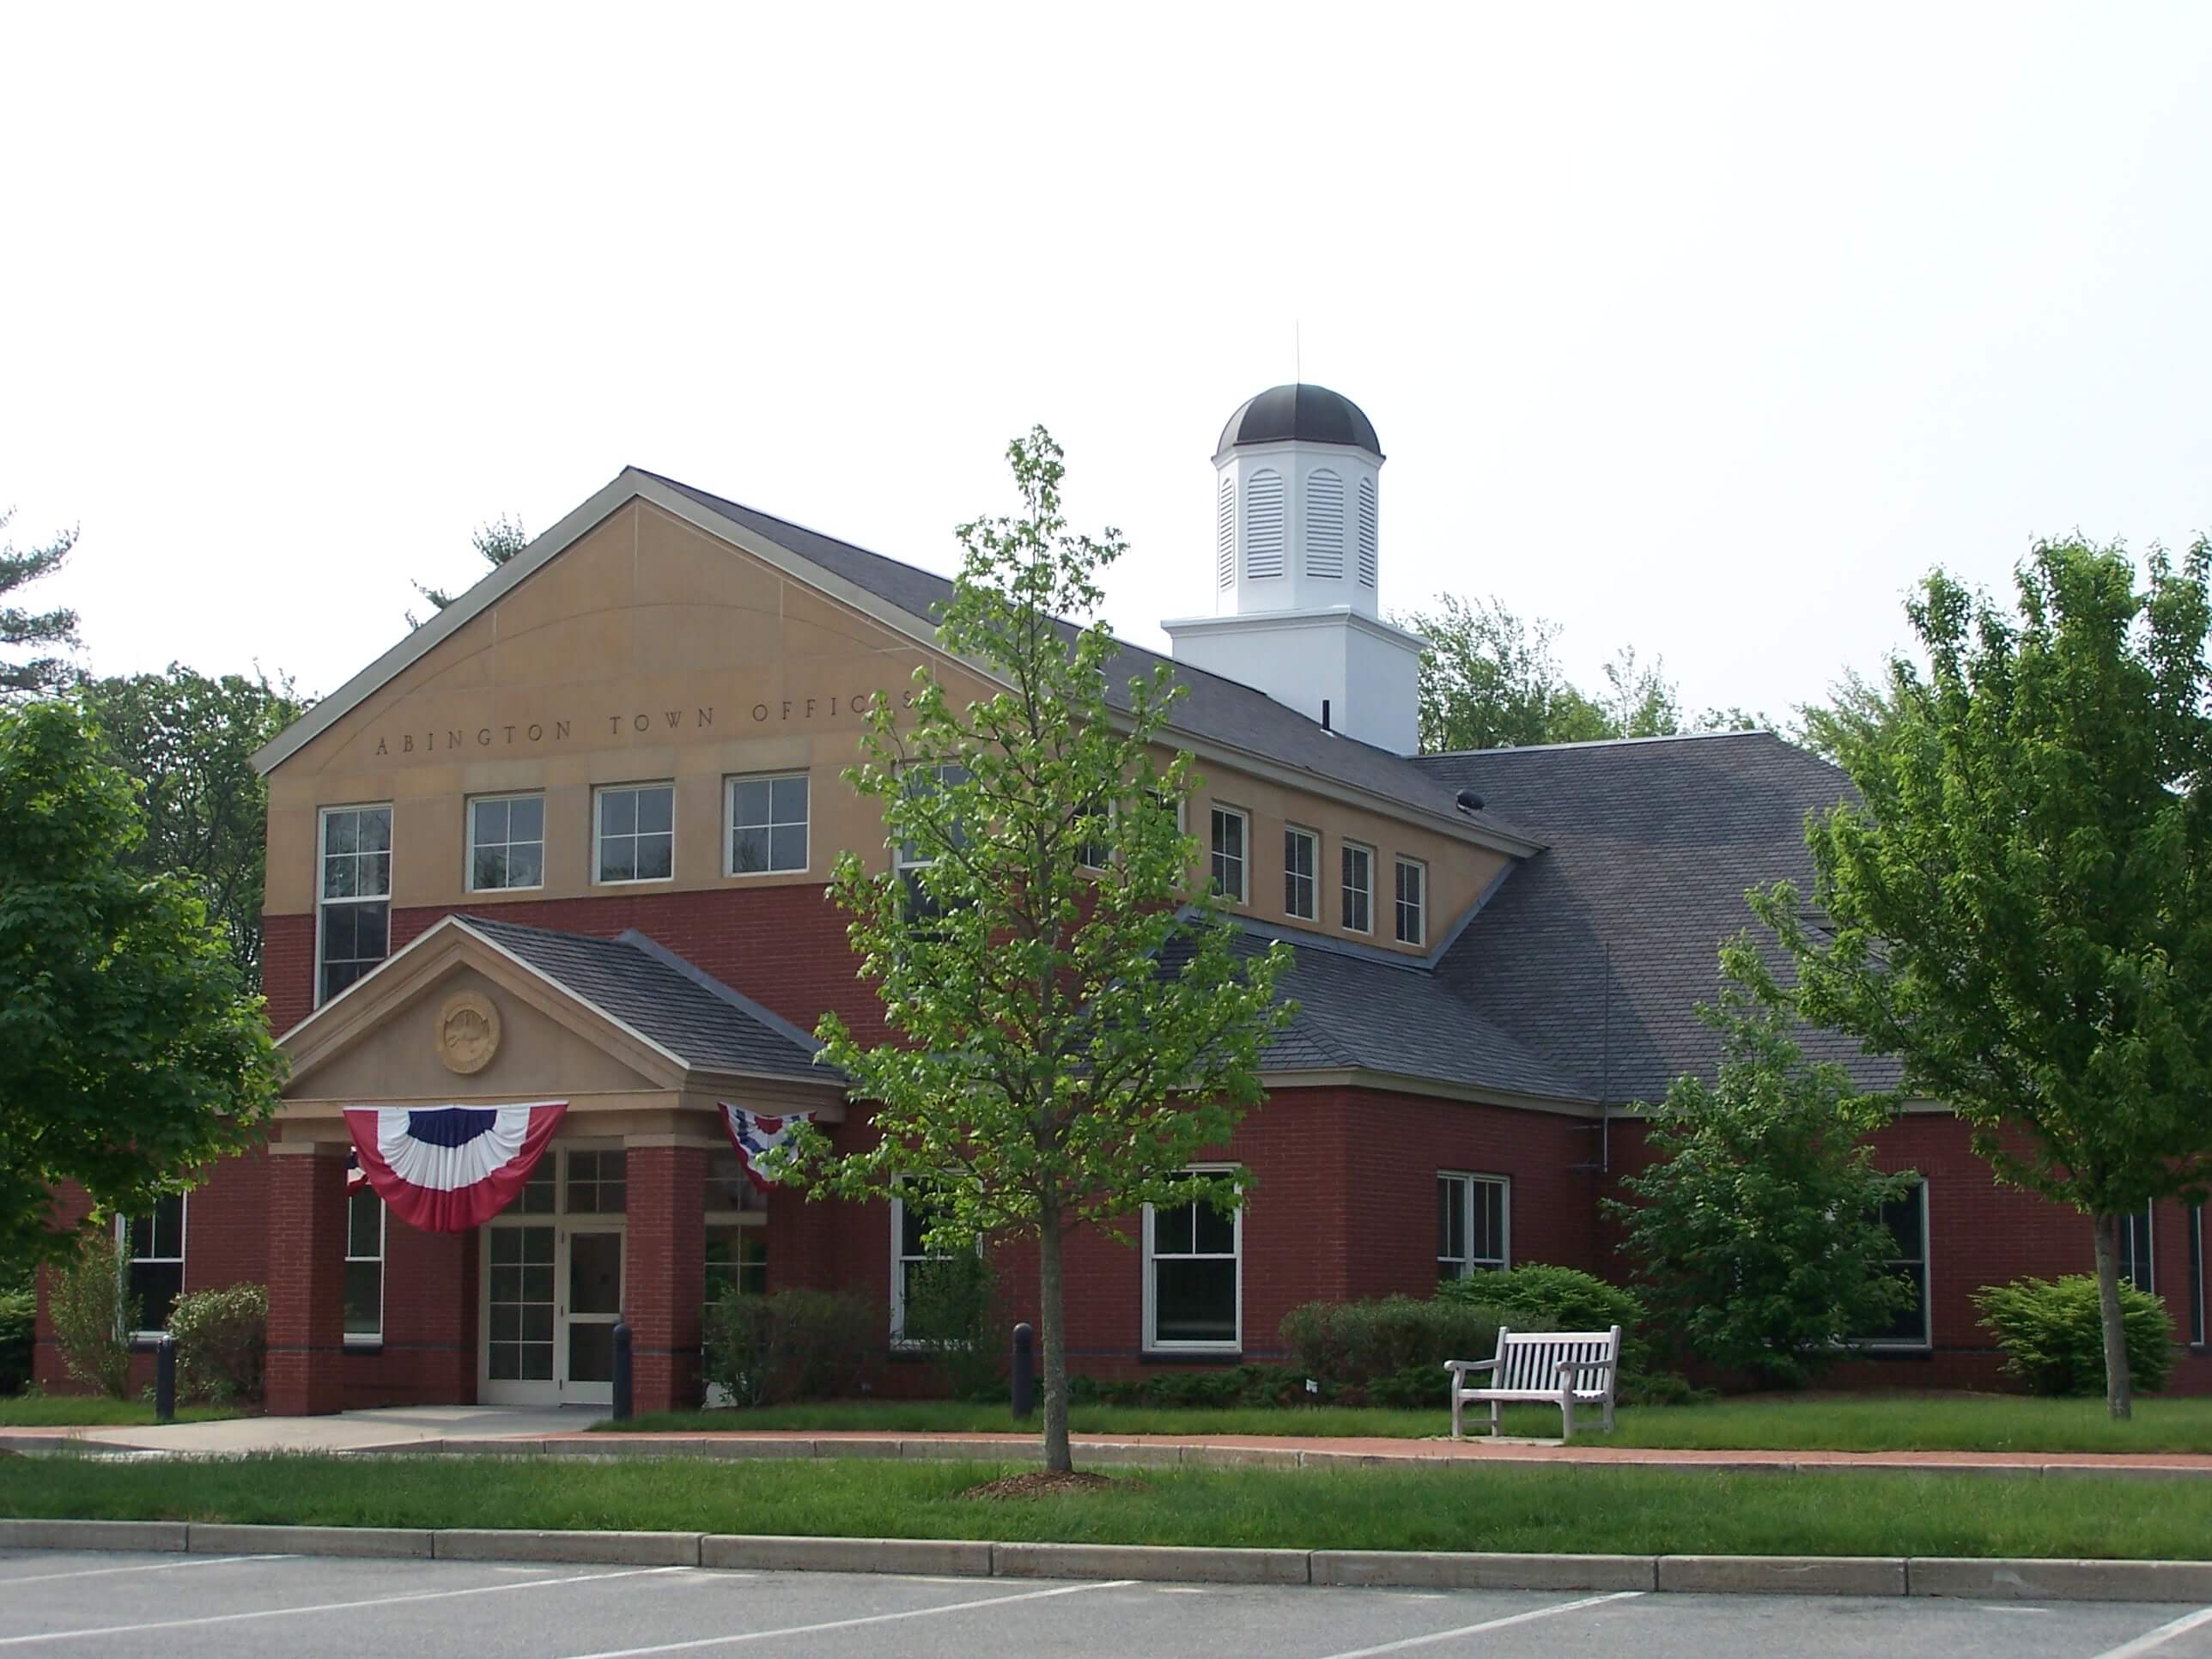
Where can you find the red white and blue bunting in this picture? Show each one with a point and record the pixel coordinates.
(754, 1135)
(448, 1168)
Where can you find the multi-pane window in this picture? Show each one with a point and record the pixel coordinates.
(1907, 1219)
(1192, 1271)
(910, 858)
(520, 1341)
(153, 1249)
(2136, 1250)
(354, 907)
(507, 842)
(1301, 856)
(736, 1242)
(768, 825)
(364, 1267)
(1413, 900)
(598, 1182)
(910, 1250)
(1231, 829)
(635, 831)
(1358, 894)
(1472, 1230)
(1092, 849)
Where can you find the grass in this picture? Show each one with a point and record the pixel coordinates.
(1634, 1511)
(43, 1410)
(1954, 1422)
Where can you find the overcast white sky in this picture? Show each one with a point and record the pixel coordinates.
(1703, 329)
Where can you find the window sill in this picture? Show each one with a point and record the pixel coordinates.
(145, 1341)
(369, 1345)
(636, 881)
(499, 892)
(758, 875)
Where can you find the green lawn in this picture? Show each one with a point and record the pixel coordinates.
(2004, 1423)
(1635, 1511)
(41, 1411)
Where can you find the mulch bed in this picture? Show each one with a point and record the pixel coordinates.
(1040, 1483)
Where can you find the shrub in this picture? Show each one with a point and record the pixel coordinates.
(2052, 1334)
(85, 1301)
(19, 1318)
(953, 1315)
(1364, 1343)
(1540, 1296)
(222, 1338)
(1206, 1390)
(794, 1345)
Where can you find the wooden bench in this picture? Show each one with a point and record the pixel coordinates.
(1565, 1368)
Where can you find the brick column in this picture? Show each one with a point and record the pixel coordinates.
(665, 1278)
(307, 1277)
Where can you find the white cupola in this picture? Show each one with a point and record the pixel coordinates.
(1297, 573)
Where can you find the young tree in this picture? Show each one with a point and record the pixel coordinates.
(1760, 1231)
(130, 1055)
(1071, 1023)
(496, 544)
(2016, 907)
(19, 627)
(188, 741)
(1489, 680)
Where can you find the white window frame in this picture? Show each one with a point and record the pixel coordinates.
(1399, 866)
(2148, 1217)
(902, 864)
(599, 793)
(369, 1339)
(1892, 1345)
(127, 1261)
(1218, 813)
(1105, 848)
(1151, 1342)
(1312, 840)
(730, 823)
(323, 904)
(1345, 849)
(899, 1260)
(1468, 1265)
(469, 804)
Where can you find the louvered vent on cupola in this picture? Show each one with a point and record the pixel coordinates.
(1263, 524)
(1225, 534)
(1367, 533)
(1324, 525)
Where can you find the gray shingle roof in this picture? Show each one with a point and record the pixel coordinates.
(657, 994)
(1596, 952)
(1357, 1009)
(1222, 710)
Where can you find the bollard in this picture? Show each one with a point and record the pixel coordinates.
(165, 1380)
(1024, 1372)
(622, 1372)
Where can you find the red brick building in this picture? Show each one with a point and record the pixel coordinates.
(568, 842)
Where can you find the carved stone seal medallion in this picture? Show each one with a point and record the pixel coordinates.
(467, 1032)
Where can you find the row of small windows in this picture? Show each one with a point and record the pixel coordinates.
(633, 839)
(1264, 531)
(1229, 868)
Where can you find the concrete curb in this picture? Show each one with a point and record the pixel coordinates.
(1981, 1579)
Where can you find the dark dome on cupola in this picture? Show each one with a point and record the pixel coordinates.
(1306, 414)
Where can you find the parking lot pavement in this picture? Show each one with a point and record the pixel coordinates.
(246, 1607)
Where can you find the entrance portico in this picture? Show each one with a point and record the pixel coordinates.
(639, 1048)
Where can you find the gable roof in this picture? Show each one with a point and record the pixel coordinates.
(1596, 953)
(1231, 720)
(655, 993)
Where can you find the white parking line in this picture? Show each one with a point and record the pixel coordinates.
(851, 1624)
(1499, 1624)
(151, 1566)
(2151, 1640)
(326, 1607)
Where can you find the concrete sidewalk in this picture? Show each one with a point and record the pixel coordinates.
(564, 1432)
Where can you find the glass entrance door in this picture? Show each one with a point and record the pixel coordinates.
(589, 1313)
(519, 1311)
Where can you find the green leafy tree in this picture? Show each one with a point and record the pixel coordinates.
(1759, 1231)
(496, 544)
(1065, 1039)
(188, 741)
(130, 1053)
(1852, 717)
(2016, 906)
(19, 627)
(1489, 680)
